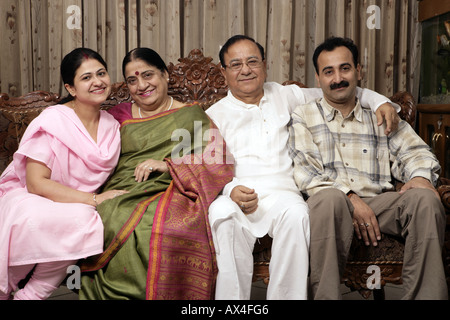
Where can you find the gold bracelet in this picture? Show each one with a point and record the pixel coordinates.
(94, 196)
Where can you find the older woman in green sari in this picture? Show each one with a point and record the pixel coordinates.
(173, 162)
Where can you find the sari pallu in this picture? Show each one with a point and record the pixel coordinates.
(158, 243)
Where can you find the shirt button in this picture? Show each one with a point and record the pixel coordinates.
(343, 145)
(343, 125)
(352, 180)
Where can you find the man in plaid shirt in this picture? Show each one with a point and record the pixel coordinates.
(344, 163)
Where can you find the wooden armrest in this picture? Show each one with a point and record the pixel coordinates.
(408, 106)
(444, 192)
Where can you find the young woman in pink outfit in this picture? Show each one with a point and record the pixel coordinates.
(48, 217)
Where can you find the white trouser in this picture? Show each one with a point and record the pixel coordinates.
(288, 265)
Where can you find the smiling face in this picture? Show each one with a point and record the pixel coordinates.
(338, 76)
(92, 84)
(147, 84)
(246, 84)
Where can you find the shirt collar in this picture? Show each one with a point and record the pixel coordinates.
(241, 103)
(331, 112)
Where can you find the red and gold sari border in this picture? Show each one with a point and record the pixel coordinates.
(155, 253)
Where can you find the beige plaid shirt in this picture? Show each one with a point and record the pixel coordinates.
(354, 153)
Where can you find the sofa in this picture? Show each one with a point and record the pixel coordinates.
(197, 78)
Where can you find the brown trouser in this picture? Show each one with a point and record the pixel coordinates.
(418, 216)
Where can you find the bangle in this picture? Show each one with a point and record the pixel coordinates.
(94, 197)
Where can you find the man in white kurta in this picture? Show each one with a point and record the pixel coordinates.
(256, 134)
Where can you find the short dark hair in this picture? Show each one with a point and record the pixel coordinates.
(150, 56)
(232, 41)
(332, 43)
(72, 61)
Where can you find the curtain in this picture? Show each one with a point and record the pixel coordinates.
(36, 34)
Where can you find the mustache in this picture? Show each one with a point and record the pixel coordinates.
(342, 84)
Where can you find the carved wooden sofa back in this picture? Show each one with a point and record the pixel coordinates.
(197, 78)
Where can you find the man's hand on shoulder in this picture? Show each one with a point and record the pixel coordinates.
(386, 112)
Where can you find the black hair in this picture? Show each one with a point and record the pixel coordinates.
(232, 41)
(332, 43)
(72, 61)
(151, 57)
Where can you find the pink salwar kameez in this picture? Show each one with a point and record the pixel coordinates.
(37, 231)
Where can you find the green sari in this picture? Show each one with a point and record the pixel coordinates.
(158, 242)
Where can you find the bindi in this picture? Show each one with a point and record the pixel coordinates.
(136, 73)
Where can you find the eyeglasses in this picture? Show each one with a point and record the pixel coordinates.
(238, 65)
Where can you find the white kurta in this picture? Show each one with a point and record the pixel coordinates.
(257, 137)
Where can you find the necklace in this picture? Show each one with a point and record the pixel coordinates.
(170, 107)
